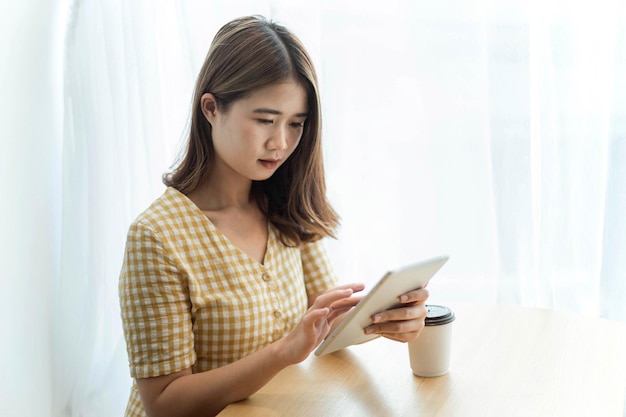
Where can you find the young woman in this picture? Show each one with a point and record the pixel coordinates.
(225, 279)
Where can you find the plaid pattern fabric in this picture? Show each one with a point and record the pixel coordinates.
(189, 297)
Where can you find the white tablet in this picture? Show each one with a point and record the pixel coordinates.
(382, 297)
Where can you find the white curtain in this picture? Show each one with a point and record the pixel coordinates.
(492, 131)
(31, 82)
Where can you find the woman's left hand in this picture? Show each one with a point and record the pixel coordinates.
(402, 323)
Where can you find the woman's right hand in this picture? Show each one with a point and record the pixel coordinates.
(317, 322)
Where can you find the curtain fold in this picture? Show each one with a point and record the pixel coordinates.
(30, 141)
(553, 162)
(494, 132)
(613, 268)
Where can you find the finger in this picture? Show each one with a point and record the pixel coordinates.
(410, 312)
(340, 307)
(314, 317)
(315, 326)
(335, 314)
(419, 295)
(326, 299)
(355, 287)
(402, 337)
(315, 314)
(396, 327)
(346, 302)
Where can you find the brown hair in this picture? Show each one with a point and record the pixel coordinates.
(246, 54)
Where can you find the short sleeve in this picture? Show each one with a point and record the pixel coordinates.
(318, 272)
(155, 307)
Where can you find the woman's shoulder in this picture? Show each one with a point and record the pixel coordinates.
(172, 210)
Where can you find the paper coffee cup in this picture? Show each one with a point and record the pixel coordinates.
(430, 352)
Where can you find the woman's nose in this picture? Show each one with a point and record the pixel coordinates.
(278, 141)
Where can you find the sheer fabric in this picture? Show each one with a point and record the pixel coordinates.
(494, 132)
(30, 136)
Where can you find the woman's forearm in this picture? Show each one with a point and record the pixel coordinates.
(208, 393)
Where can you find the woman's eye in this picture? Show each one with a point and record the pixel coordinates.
(297, 124)
(266, 121)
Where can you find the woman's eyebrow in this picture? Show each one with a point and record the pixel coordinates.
(264, 110)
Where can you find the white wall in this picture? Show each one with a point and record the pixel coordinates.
(30, 183)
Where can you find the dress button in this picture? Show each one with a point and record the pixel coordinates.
(267, 276)
(278, 314)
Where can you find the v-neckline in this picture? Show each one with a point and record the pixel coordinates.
(227, 241)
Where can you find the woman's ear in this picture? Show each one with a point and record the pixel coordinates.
(208, 104)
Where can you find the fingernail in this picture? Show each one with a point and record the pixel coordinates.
(404, 298)
(368, 330)
(376, 318)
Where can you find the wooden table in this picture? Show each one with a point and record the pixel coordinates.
(506, 361)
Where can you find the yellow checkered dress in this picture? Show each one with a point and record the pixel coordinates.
(189, 297)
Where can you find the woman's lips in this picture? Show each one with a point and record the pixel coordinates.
(269, 163)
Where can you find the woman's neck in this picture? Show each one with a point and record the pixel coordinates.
(215, 194)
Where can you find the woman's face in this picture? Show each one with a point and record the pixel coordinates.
(258, 133)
